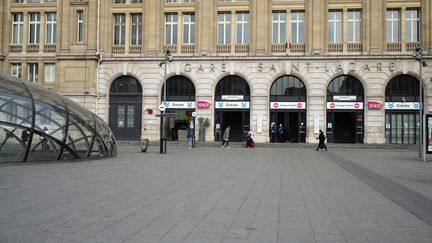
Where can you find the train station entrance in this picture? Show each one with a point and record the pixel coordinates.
(180, 102)
(402, 106)
(232, 104)
(287, 110)
(345, 114)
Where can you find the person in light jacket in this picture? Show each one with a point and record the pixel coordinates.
(249, 142)
(226, 137)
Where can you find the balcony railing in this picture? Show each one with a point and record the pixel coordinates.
(15, 48)
(118, 49)
(297, 48)
(242, 48)
(50, 48)
(188, 48)
(223, 48)
(278, 48)
(411, 46)
(33, 48)
(355, 47)
(335, 47)
(394, 47)
(135, 49)
(172, 48)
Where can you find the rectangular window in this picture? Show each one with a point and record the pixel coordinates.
(33, 1)
(136, 32)
(242, 28)
(16, 70)
(33, 72)
(80, 26)
(119, 29)
(34, 28)
(49, 73)
(188, 1)
(412, 25)
(297, 27)
(279, 27)
(171, 29)
(335, 26)
(354, 26)
(17, 28)
(392, 26)
(119, 1)
(224, 28)
(17, 1)
(170, 1)
(137, 1)
(51, 28)
(189, 28)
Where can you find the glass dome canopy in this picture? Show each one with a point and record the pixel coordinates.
(40, 125)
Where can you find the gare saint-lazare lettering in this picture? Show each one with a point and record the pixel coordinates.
(297, 67)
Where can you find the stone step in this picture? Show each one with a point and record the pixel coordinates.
(279, 145)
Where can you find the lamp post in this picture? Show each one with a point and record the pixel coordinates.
(167, 59)
(418, 55)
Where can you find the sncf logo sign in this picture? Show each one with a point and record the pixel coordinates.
(203, 104)
(374, 105)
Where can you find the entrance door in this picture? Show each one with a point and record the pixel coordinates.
(345, 127)
(125, 108)
(293, 125)
(401, 127)
(124, 121)
(237, 120)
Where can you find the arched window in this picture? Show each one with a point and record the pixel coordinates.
(232, 85)
(125, 85)
(345, 85)
(287, 88)
(179, 88)
(402, 88)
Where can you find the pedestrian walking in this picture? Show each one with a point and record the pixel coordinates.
(25, 135)
(189, 137)
(273, 132)
(280, 133)
(249, 141)
(321, 138)
(226, 137)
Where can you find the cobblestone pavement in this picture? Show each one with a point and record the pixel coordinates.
(214, 194)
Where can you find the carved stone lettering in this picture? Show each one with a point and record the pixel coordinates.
(223, 67)
(339, 67)
(379, 66)
(366, 67)
(188, 67)
(273, 67)
(212, 67)
(296, 67)
(200, 68)
(260, 67)
(392, 67)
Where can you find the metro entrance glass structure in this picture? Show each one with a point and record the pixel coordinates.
(39, 125)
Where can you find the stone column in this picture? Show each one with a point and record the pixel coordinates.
(317, 22)
(402, 21)
(233, 31)
(179, 31)
(345, 36)
(25, 32)
(42, 32)
(262, 30)
(127, 31)
(377, 25)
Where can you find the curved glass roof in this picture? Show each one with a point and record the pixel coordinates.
(40, 125)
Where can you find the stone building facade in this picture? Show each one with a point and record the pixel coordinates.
(326, 48)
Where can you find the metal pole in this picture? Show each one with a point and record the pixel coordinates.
(423, 115)
(163, 134)
(420, 112)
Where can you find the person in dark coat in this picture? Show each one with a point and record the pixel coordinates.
(321, 138)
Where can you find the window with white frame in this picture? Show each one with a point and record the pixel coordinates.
(242, 27)
(412, 25)
(189, 28)
(17, 28)
(33, 72)
(136, 32)
(393, 26)
(119, 29)
(224, 28)
(51, 28)
(279, 27)
(80, 26)
(171, 28)
(49, 72)
(297, 27)
(15, 70)
(335, 26)
(354, 26)
(34, 28)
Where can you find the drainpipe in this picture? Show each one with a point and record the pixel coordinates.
(98, 56)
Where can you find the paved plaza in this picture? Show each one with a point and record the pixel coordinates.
(213, 194)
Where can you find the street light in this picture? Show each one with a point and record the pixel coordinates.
(418, 55)
(167, 59)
